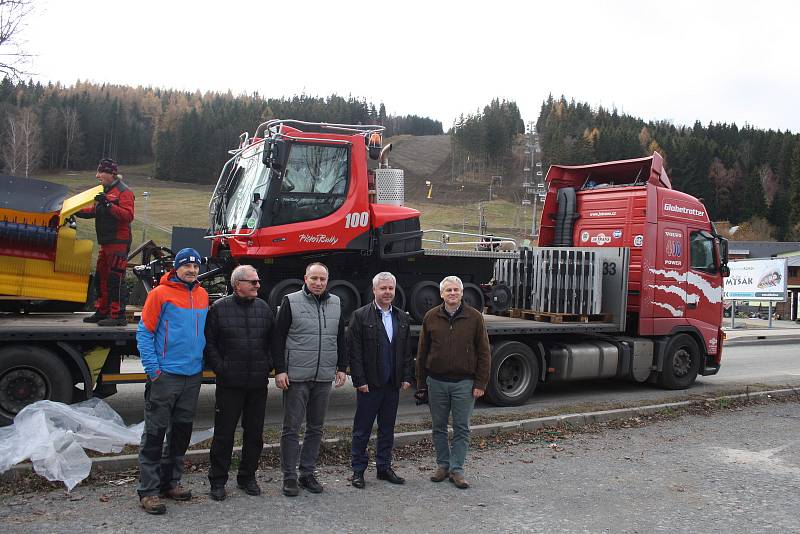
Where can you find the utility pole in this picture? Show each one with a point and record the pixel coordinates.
(145, 195)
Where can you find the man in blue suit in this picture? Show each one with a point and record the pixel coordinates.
(380, 365)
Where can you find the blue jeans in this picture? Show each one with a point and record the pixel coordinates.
(446, 398)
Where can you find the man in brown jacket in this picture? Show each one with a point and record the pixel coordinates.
(453, 363)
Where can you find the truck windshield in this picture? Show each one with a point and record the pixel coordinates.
(245, 193)
(314, 184)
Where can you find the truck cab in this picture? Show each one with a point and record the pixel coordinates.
(677, 259)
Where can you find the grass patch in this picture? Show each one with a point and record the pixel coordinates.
(168, 204)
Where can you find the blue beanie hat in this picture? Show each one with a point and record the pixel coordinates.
(187, 255)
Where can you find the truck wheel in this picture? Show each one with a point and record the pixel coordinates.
(514, 375)
(29, 374)
(681, 363)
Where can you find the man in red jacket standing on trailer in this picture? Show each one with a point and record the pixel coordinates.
(113, 213)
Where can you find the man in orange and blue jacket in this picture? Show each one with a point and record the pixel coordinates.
(171, 340)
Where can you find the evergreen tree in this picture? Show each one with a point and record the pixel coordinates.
(738, 172)
(794, 185)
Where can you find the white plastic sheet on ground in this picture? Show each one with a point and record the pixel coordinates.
(53, 436)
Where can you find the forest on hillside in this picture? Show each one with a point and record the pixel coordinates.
(186, 134)
(482, 141)
(744, 175)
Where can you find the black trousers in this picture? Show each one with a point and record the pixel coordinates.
(381, 403)
(232, 403)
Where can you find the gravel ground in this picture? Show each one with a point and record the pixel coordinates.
(723, 469)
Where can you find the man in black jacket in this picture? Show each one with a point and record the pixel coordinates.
(380, 364)
(238, 335)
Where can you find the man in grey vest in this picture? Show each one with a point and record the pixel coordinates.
(308, 348)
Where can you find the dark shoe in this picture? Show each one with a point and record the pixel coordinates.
(251, 488)
(290, 488)
(390, 476)
(310, 483)
(113, 321)
(178, 493)
(358, 480)
(95, 317)
(152, 505)
(218, 494)
(440, 474)
(458, 480)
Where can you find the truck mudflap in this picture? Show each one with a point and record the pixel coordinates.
(710, 368)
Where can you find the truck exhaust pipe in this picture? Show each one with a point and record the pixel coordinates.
(383, 158)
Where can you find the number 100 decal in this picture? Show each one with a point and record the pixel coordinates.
(356, 220)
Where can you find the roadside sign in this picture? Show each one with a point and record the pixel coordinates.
(756, 280)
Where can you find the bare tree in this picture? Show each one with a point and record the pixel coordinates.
(21, 149)
(71, 133)
(12, 56)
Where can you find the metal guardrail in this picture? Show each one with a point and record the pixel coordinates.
(485, 241)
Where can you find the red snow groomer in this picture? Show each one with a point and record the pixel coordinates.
(301, 191)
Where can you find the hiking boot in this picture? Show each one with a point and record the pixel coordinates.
(218, 493)
(290, 488)
(458, 480)
(152, 505)
(310, 483)
(95, 317)
(113, 321)
(440, 474)
(251, 488)
(178, 493)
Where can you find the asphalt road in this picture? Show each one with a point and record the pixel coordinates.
(731, 471)
(744, 364)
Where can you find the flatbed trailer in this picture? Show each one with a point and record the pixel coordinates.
(68, 360)
(57, 356)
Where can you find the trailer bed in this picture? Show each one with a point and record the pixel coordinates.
(60, 327)
(70, 327)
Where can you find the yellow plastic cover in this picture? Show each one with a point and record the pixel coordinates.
(66, 278)
(78, 202)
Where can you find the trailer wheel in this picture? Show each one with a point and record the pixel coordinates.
(681, 363)
(348, 295)
(29, 374)
(514, 375)
(424, 296)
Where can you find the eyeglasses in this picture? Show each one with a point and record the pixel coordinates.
(252, 282)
